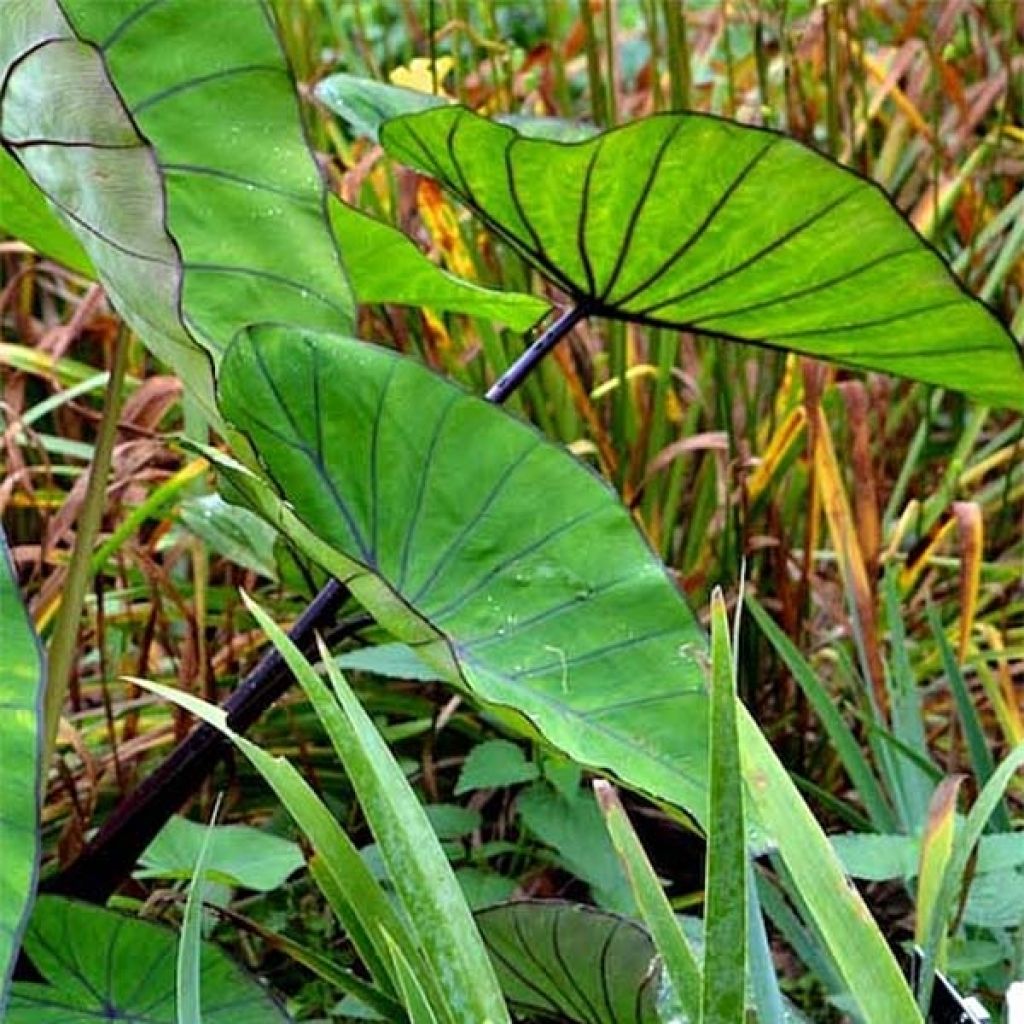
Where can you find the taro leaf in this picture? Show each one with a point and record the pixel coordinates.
(101, 965)
(572, 962)
(25, 214)
(237, 854)
(21, 694)
(698, 223)
(482, 545)
(576, 963)
(385, 266)
(519, 575)
(168, 135)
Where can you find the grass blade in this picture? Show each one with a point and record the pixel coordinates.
(936, 851)
(417, 865)
(354, 895)
(464, 983)
(413, 996)
(679, 963)
(725, 916)
(987, 802)
(845, 925)
(846, 745)
(188, 988)
(977, 748)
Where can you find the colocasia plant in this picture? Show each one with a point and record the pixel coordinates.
(158, 147)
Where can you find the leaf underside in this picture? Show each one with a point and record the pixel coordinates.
(507, 565)
(694, 222)
(178, 158)
(26, 215)
(21, 688)
(102, 965)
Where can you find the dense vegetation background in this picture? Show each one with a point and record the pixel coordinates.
(707, 444)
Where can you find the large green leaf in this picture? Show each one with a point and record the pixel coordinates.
(572, 962)
(385, 266)
(168, 135)
(102, 966)
(695, 222)
(25, 214)
(516, 573)
(508, 565)
(21, 695)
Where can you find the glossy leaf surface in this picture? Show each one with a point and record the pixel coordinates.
(484, 546)
(21, 694)
(385, 266)
(101, 965)
(168, 135)
(572, 962)
(695, 222)
(541, 599)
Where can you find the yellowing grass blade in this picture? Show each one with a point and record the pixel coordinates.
(852, 565)
(971, 529)
(936, 849)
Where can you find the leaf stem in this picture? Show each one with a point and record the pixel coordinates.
(64, 640)
(514, 376)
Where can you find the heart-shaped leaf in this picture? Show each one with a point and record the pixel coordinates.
(572, 962)
(178, 157)
(520, 577)
(101, 965)
(21, 693)
(698, 223)
(475, 540)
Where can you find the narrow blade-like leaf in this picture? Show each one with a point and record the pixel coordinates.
(21, 694)
(188, 975)
(417, 865)
(843, 922)
(725, 913)
(937, 843)
(679, 963)
(353, 893)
